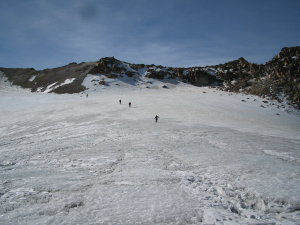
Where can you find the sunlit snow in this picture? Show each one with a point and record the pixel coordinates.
(212, 158)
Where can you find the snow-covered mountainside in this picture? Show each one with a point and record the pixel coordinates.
(275, 79)
(72, 78)
(212, 158)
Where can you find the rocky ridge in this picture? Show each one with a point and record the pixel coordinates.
(112, 67)
(274, 79)
(280, 76)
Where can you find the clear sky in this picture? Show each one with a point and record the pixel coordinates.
(179, 33)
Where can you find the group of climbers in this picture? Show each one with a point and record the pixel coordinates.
(156, 117)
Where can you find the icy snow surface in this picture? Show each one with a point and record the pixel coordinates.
(210, 159)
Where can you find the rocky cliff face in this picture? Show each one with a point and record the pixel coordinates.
(284, 73)
(279, 76)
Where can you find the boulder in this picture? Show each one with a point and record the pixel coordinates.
(157, 75)
(130, 73)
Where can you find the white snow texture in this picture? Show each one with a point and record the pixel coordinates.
(210, 159)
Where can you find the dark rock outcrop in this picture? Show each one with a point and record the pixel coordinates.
(200, 77)
(281, 75)
(157, 74)
(130, 73)
(105, 66)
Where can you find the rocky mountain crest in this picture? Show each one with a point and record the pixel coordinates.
(279, 76)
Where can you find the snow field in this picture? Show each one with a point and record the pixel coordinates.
(211, 158)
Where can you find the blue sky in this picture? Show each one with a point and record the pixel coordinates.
(50, 33)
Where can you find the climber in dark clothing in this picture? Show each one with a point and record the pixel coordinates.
(120, 101)
(129, 104)
(156, 118)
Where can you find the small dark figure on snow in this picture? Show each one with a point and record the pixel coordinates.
(156, 118)
(87, 95)
(129, 104)
(120, 101)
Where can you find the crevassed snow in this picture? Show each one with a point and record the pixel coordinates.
(211, 158)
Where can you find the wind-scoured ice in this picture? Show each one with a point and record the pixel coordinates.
(210, 159)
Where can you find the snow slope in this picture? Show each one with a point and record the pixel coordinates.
(212, 158)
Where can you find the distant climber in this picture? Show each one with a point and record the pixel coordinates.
(156, 118)
(129, 104)
(87, 95)
(120, 101)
